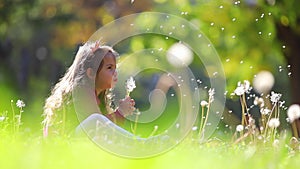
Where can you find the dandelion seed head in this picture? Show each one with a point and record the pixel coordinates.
(20, 103)
(130, 84)
(265, 111)
(242, 88)
(274, 123)
(275, 97)
(239, 128)
(263, 82)
(203, 103)
(293, 112)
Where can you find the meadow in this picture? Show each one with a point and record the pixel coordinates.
(244, 147)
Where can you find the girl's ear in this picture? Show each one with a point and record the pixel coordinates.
(90, 73)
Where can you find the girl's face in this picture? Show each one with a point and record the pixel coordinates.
(107, 76)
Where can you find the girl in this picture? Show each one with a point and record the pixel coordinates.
(84, 89)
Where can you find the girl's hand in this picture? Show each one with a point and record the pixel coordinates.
(126, 106)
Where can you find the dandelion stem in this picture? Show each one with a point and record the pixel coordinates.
(154, 131)
(266, 127)
(135, 123)
(13, 117)
(206, 116)
(19, 121)
(243, 111)
(201, 120)
(294, 128)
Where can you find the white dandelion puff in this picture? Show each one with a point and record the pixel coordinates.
(263, 82)
(274, 122)
(239, 128)
(275, 97)
(265, 111)
(293, 112)
(239, 91)
(130, 85)
(20, 104)
(242, 88)
(203, 103)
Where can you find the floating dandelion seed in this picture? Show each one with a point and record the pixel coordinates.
(293, 112)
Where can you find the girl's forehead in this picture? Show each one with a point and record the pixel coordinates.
(109, 58)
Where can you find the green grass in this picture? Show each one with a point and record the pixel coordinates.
(64, 153)
(29, 150)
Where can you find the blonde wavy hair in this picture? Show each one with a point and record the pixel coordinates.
(76, 76)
